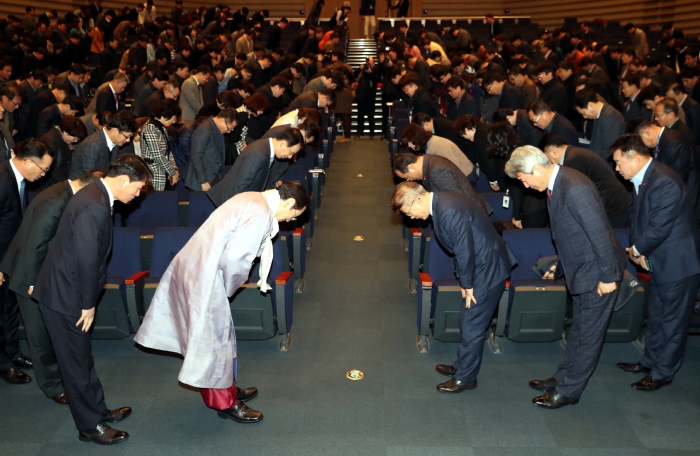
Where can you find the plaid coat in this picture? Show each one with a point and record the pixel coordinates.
(156, 152)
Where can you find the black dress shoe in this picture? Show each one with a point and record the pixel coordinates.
(553, 401)
(636, 368)
(649, 383)
(116, 415)
(456, 386)
(23, 362)
(246, 394)
(241, 413)
(15, 376)
(546, 386)
(61, 399)
(103, 435)
(446, 370)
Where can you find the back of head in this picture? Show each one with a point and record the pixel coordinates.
(131, 166)
(292, 136)
(629, 144)
(90, 176)
(296, 191)
(32, 148)
(123, 121)
(73, 126)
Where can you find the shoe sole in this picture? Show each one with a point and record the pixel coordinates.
(649, 390)
(554, 408)
(88, 440)
(469, 388)
(226, 417)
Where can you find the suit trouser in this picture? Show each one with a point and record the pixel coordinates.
(73, 347)
(220, 399)
(365, 111)
(670, 310)
(591, 317)
(472, 327)
(9, 323)
(40, 347)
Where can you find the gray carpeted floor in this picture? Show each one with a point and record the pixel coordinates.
(356, 313)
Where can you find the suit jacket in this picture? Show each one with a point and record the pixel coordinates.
(662, 226)
(588, 249)
(612, 192)
(441, 175)
(482, 258)
(449, 150)
(43, 100)
(92, 153)
(73, 274)
(6, 142)
(274, 38)
(510, 97)
(48, 118)
(562, 126)
(421, 101)
(609, 126)
(279, 167)
(207, 156)
(10, 206)
(632, 110)
(249, 173)
(62, 158)
(29, 247)
(191, 100)
(682, 128)
(554, 94)
(153, 99)
(692, 117)
(143, 95)
(467, 105)
(104, 100)
(305, 100)
(677, 152)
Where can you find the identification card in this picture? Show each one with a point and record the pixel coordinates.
(506, 201)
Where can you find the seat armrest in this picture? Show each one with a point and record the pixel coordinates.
(425, 284)
(134, 298)
(425, 280)
(280, 300)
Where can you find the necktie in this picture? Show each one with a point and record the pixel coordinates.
(116, 100)
(549, 195)
(22, 199)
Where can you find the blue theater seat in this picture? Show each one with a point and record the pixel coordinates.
(200, 208)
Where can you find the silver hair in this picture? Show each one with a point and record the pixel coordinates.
(523, 160)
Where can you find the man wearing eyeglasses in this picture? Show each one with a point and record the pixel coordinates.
(102, 147)
(10, 101)
(31, 161)
(549, 121)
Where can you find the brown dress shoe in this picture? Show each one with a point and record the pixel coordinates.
(649, 383)
(455, 386)
(61, 399)
(546, 386)
(103, 435)
(246, 394)
(15, 376)
(446, 370)
(633, 368)
(116, 415)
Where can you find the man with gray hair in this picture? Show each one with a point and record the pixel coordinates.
(482, 263)
(590, 257)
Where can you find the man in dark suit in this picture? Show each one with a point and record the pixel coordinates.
(665, 242)
(608, 123)
(689, 106)
(417, 97)
(207, 151)
(675, 150)
(438, 174)
(109, 59)
(275, 36)
(482, 263)
(99, 149)
(312, 99)
(43, 100)
(31, 161)
(310, 133)
(22, 263)
(251, 170)
(615, 198)
(666, 115)
(497, 85)
(445, 128)
(460, 101)
(107, 98)
(495, 28)
(552, 91)
(69, 284)
(50, 117)
(544, 118)
(591, 259)
(61, 140)
(630, 87)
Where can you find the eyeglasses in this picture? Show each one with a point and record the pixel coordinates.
(125, 136)
(534, 121)
(43, 171)
(228, 127)
(408, 212)
(660, 114)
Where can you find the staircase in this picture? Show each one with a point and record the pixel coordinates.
(358, 51)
